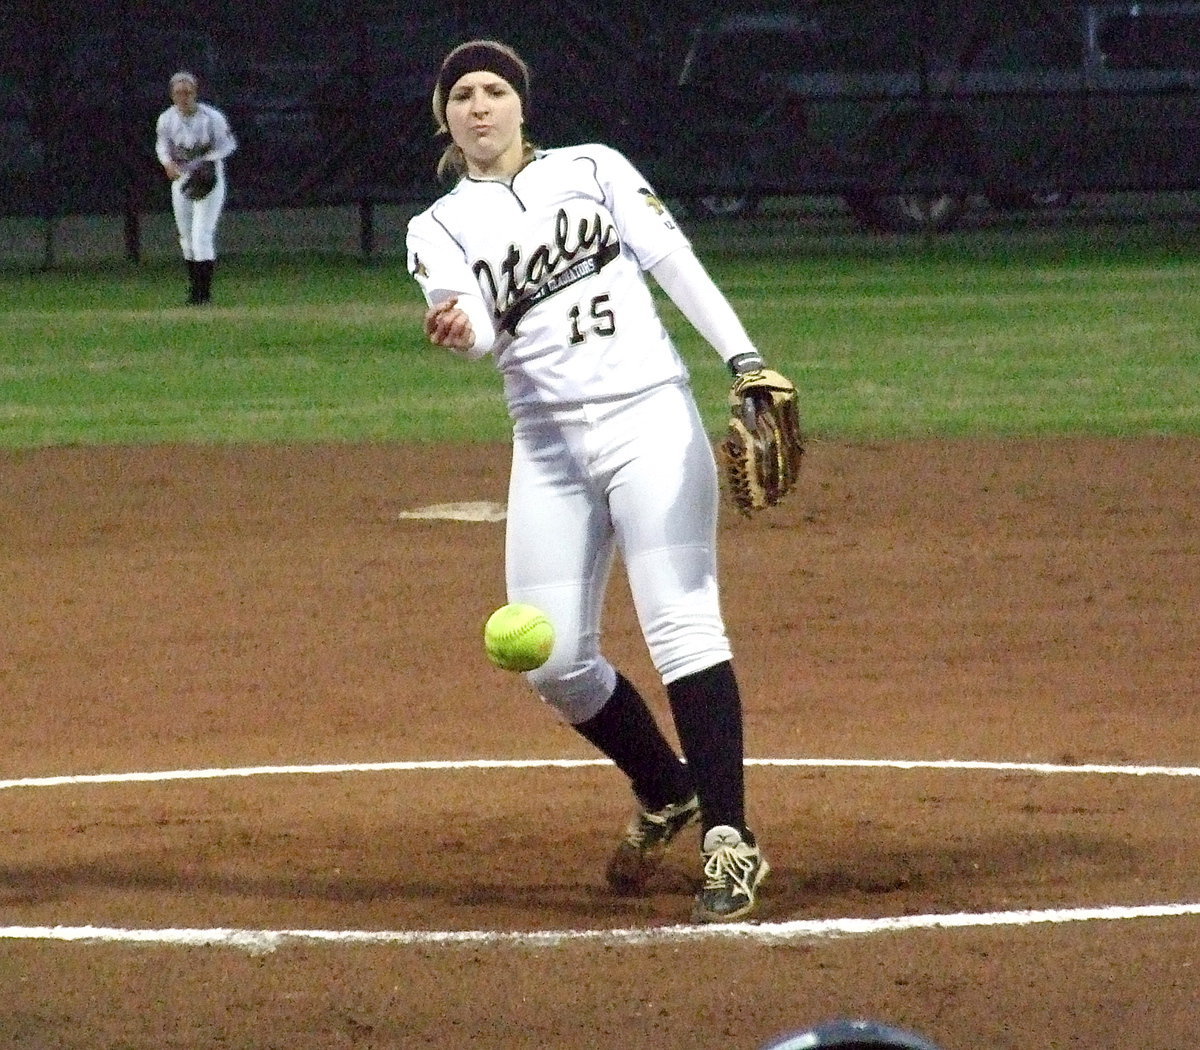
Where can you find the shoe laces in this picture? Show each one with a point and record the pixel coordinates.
(729, 865)
(642, 824)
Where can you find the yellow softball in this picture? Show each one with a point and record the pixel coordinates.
(518, 637)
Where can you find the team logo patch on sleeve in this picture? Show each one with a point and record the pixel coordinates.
(652, 200)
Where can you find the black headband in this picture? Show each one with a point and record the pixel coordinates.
(472, 58)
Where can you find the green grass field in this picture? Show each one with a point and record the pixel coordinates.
(984, 333)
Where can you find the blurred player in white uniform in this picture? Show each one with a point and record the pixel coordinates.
(537, 258)
(186, 133)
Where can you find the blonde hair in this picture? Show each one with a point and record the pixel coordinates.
(184, 77)
(503, 61)
(452, 164)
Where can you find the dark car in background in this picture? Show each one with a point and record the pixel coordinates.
(910, 112)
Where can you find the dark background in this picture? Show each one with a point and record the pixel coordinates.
(330, 101)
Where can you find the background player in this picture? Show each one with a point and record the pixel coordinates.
(537, 257)
(186, 133)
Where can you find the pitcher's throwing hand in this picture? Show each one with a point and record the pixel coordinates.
(446, 325)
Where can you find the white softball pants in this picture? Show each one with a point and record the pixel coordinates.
(634, 476)
(197, 220)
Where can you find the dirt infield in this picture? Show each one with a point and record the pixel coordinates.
(176, 608)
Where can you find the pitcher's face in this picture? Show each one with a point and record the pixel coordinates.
(483, 113)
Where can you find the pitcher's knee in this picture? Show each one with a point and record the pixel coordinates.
(576, 691)
(685, 649)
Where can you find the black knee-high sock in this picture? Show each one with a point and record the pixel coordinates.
(707, 708)
(193, 281)
(624, 729)
(204, 274)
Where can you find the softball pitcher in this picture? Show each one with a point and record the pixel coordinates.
(537, 258)
(187, 134)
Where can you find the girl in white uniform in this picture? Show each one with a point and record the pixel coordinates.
(537, 258)
(187, 133)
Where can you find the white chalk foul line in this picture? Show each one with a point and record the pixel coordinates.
(263, 941)
(260, 771)
(577, 763)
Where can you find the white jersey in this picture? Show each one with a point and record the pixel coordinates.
(203, 135)
(558, 254)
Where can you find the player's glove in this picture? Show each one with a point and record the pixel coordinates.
(763, 447)
(200, 181)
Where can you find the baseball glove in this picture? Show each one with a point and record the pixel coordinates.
(200, 181)
(763, 447)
